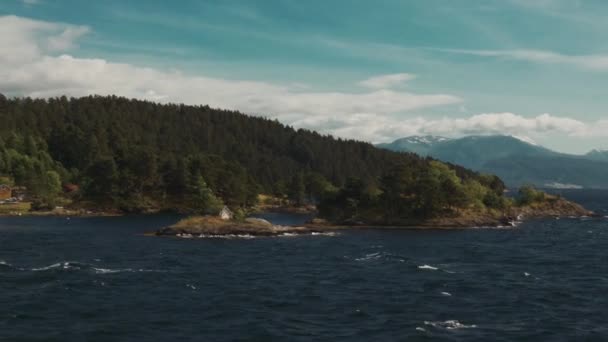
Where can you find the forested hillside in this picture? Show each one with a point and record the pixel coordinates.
(134, 154)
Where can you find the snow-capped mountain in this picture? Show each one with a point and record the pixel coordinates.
(525, 139)
(517, 160)
(416, 144)
(598, 155)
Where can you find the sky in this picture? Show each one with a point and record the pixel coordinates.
(368, 70)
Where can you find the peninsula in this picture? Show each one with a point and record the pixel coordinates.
(112, 155)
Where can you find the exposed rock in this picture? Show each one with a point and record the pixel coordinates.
(552, 207)
(212, 226)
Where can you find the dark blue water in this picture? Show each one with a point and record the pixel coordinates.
(101, 279)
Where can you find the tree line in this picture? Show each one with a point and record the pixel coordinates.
(133, 154)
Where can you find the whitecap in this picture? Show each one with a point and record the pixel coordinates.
(105, 270)
(371, 256)
(420, 329)
(226, 236)
(447, 294)
(324, 234)
(450, 325)
(526, 274)
(46, 268)
(121, 270)
(191, 286)
(428, 267)
(70, 265)
(67, 265)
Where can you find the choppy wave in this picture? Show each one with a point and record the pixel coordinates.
(76, 266)
(370, 256)
(289, 234)
(449, 325)
(324, 234)
(428, 267)
(131, 270)
(216, 236)
(64, 265)
(4, 264)
(249, 236)
(383, 256)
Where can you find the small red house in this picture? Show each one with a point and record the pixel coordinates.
(5, 192)
(69, 188)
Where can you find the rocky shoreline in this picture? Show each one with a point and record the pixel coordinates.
(554, 207)
(63, 213)
(208, 226)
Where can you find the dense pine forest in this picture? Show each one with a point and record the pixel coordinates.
(136, 155)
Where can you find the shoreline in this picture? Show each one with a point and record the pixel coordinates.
(213, 227)
(63, 213)
(241, 230)
(209, 225)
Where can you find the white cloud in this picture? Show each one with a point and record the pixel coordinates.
(30, 66)
(35, 61)
(386, 81)
(382, 128)
(591, 62)
(24, 40)
(65, 40)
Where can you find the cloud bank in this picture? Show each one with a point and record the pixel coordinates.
(36, 61)
(590, 62)
(386, 81)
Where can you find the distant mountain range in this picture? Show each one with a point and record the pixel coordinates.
(515, 160)
(598, 155)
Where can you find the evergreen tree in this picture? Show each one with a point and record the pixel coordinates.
(296, 189)
(204, 199)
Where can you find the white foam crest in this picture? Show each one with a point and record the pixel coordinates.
(130, 270)
(49, 267)
(428, 267)
(185, 236)
(249, 236)
(324, 234)
(449, 325)
(226, 236)
(105, 270)
(370, 256)
(447, 294)
(67, 265)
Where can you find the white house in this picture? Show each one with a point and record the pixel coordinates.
(226, 213)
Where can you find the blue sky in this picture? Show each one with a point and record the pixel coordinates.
(371, 70)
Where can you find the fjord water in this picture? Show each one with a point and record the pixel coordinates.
(101, 279)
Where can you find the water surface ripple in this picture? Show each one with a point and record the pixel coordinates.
(100, 279)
